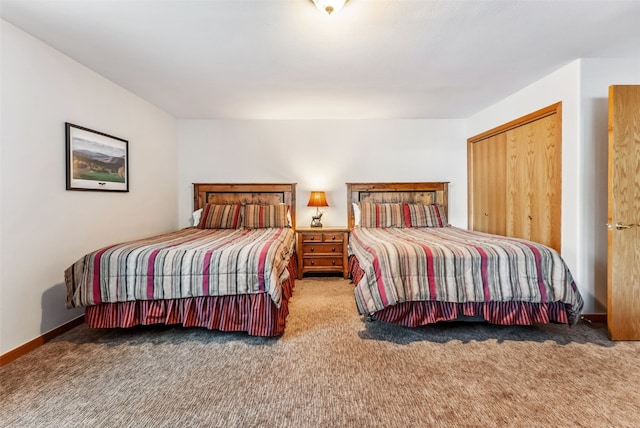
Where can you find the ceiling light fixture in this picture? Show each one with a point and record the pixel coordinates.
(329, 6)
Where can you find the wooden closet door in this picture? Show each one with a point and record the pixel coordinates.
(514, 174)
(488, 158)
(533, 181)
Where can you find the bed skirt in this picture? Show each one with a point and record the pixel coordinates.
(254, 313)
(415, 314)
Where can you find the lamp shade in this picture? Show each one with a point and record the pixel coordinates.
(317, 199)
(329, 6)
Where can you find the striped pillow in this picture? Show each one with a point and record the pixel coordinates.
(416, 215)
(220, 217)
(263, 216)
(381, 215)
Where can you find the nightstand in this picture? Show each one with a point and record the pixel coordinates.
(322, 249)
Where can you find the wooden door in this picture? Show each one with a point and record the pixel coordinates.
(487, 166)
(623, 268)
(533, 181)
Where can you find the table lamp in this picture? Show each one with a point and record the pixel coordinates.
(317, 199)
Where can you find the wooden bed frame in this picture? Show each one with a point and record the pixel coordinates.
(246, 193)
(416, 192)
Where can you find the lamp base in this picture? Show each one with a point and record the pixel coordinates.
(315, 220)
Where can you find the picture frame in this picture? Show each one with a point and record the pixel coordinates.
(95, 160)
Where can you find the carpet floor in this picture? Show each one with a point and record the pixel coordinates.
(331, 368)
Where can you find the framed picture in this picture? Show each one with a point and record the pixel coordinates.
(96, 161)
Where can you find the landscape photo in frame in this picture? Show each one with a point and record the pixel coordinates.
(96, 161)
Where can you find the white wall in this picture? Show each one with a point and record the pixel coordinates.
(323, 155)
(45, 228)
(582, 88)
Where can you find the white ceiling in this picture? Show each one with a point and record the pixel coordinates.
(284, 59)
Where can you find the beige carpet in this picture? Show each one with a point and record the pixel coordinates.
(331, 368)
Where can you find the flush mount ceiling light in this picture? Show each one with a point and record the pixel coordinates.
(329, 6)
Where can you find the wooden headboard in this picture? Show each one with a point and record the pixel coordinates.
(415, 193)
(246, 193)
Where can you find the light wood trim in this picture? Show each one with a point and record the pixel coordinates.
(538, 114)
(610, 175)
(440, 190)
(246, 193)
(39, 341)
(471, 212)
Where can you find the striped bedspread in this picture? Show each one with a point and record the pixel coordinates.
(449, 264)
(186, 263)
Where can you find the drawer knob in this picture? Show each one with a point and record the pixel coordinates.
(313, 262)
(333, 249)
(313, 237)
(333, 262)
(333, 237)
(312, 249)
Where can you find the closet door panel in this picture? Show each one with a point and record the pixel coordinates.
(496, 181)
(545, 208)
(478, 188)
(533, 182)
(489, 158)
(519, 174)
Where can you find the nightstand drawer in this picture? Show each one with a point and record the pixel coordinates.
(311, 237)
(322, 248)
(332, 237)
(323, 262)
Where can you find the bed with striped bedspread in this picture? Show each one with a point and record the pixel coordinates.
(417, 276)
(223, 279)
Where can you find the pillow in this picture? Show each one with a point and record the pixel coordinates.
(416, 215)
(381, 215)
(220, 217)
(263, 216)
(356, 214)
(196, 217)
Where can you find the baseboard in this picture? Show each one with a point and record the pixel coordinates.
(38, 341)
(591, 318)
